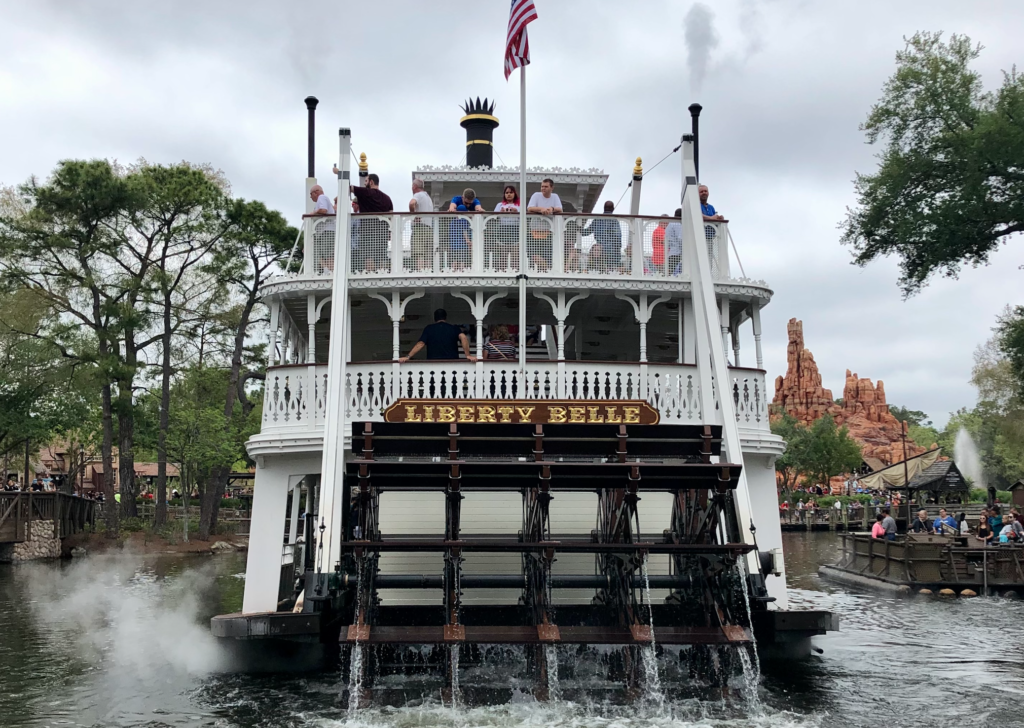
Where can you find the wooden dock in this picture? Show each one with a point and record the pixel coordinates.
(19, 510)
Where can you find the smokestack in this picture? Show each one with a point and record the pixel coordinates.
(695, 110)
(479, 123)
(311, 102)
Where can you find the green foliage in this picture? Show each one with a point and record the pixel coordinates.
(133, 525)
(1010, 339)
(948, 190)
(913, 418)
(814, 454)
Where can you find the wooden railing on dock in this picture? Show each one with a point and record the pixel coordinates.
(930, 560)
(18, 510)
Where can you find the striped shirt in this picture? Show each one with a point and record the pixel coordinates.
(496, 349)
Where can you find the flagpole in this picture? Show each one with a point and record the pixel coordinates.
(523, 199)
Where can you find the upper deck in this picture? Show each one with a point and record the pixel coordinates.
(403, 250)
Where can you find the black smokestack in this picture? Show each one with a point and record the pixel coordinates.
(311, 102)
(694, 116)
(479, 123)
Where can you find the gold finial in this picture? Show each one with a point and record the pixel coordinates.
(638, 170)
(363, 166)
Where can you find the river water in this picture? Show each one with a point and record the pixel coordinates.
(117, 642)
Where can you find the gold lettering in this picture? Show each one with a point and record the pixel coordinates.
(428, 413)
(576, 414)
(524, 413)
(556, 414)
(484, 413)
(611, 417)
(506, 414)
(410, 414)
(631, 415)
(467, 414)
(594, 417)
(445, 413)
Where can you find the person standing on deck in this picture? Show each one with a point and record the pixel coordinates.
(889, 524)
(441, 340)
(878, 530)
(706, 208)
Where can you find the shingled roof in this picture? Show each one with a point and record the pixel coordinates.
(941, 475)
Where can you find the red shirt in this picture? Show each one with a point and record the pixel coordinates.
(658, 246)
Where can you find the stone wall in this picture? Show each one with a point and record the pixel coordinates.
(42, 545)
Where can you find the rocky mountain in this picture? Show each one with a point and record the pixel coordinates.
(863, 410)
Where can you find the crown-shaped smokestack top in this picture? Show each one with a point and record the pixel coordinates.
(479, 123)
(478, 107)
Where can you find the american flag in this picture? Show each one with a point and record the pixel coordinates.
(517, 45)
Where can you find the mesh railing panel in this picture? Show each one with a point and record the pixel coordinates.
(371, 244)
(323, 246)
(455, 242)
(501, 242)
(711, 237)
(539, 243)
(603, 243)
(418, 243)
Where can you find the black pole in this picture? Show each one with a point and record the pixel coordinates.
(694, 116)
(26, 485)
(311, 102)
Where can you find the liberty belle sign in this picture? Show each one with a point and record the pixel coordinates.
(518, 411)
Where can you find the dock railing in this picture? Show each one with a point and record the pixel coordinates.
(19, 509)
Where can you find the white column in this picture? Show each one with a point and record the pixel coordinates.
(643, 310)
(724, 322)
(560, 307)
(333, 464)
(275, 323)
(681, 304)
(755, 317)
(638, 179)
(293, 522)
(636, 239)
(263, 563)
(689, 335)
(311, 315)
(735, 345)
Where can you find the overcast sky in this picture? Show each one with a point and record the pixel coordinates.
(784, 85)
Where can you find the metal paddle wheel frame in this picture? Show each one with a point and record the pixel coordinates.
(617, 462)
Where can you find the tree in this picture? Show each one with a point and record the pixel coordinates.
(179, 217)
(787, 465)
(57, 247)
(949, 189)
(199, 437)
(913, 418)
(828, 451)
(258, 242)
(1010, 339)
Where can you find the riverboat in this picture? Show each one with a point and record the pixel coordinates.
(613, 484)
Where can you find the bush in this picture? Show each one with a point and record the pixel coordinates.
(1004, 496)
(133, 525)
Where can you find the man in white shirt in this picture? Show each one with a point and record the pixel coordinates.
(422, 241)
(545, 202)
(323, 202)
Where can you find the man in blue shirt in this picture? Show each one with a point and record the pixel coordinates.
(467, 198)
(945, 523)
(707, 209)
(607, 251)
(459, 239)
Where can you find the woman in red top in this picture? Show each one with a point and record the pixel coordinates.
(658, 244)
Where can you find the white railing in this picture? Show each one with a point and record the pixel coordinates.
(295, 395)
(488, 243)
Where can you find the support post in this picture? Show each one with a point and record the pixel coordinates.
(638, 179)
(560, 307)
(333, 468)
(755, 317)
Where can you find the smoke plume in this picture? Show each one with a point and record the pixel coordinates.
(701, 39)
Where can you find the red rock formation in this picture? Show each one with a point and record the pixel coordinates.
(864, 410)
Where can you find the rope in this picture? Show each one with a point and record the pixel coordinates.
(647, 173)
(736, 253)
